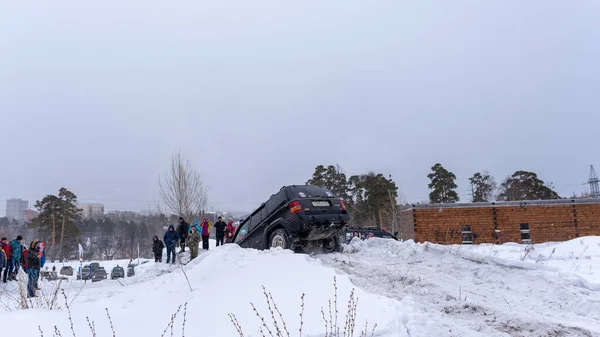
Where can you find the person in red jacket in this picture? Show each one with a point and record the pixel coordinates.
(229, 231)
(3, 256)
(7, 251)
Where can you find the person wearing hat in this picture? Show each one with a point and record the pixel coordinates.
(170, 239)
(33, 267)
(229, 231)
(205, 232)
(194, 239)
(197, 225)
(182, 229)
(220, 231)
(16, 257)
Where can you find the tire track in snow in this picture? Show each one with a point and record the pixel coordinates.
(471, 297)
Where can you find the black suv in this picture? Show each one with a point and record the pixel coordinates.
(298, 217)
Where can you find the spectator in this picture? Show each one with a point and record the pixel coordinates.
(171, 239)
(16, 257)
(229, 231)
(182, 229)
(220, 231)
(3, 258)
(194, 239)
(33, 267)
(206, 225)
(7, 253)
(157, 248)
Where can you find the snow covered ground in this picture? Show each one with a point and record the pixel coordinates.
(407, 289)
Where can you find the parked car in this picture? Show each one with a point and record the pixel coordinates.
(298, 217)
(94, 265)
(130, 270)
(86, 273)
(99, 274)
(66, 270)
(117, 272)
(50, 276)
(365, 232)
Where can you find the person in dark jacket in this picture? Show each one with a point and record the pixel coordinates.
(157, 248)
(182, 229)
(171, 239)
(33, 267)
(220, 231)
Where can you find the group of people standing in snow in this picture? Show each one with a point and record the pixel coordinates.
(191, 236)
(14, 255)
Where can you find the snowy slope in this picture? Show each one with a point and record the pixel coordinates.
(224, 280)
(407, 289)
(485, 290)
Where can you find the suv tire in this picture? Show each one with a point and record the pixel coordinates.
(332, 245)
(280, 238)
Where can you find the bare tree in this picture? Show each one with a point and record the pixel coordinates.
(182, 190)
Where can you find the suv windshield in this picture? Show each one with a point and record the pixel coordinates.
(311, 192)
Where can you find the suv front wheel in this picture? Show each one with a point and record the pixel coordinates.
(279, 238)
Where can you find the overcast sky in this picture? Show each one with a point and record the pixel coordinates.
(96, 96)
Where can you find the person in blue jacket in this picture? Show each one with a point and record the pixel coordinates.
(197, 225)
(171, 239)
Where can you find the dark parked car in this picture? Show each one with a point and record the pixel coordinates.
(94, 265)
(86, 273)
(298, 217)
(117, 272)
(130, 270)
(99, 274)
(365, 233)
(66, 270)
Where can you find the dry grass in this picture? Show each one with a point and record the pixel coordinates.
(277, 327)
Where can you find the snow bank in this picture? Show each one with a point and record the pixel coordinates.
(224, 280)
(482, 290)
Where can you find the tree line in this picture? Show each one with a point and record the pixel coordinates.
(521, 185)
(372, 197)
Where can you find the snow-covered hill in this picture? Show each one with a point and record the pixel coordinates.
(407, 289)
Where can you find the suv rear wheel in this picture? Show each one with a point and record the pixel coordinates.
(280, 238)
(332, 245)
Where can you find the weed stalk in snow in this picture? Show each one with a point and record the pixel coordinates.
(184, 319)
(236, 324)
(301, 314)
(92, 327)
(69, 312)
(112, 327)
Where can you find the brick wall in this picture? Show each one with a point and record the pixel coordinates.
(407, 231)
(501, 223)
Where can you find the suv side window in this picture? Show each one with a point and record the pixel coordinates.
(242, 232)
(256, 217)
(274, 203)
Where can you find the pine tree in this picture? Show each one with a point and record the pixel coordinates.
(54, 210)
(482, 187)
(332, 178)
(370, 194)
(442, 185)
(525, 185)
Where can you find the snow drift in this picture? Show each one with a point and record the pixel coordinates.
(224, 280)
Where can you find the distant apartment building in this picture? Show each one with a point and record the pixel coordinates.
(15, 208)
(91, 210)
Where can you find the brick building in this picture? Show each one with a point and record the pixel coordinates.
(499, 222)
